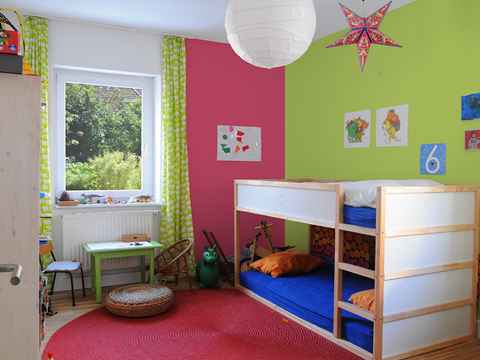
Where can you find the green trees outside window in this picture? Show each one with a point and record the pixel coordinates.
(103, 137)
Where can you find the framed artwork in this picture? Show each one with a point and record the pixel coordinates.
(471, 107)
(472, 139)
(239, 143)
(356, 129)
(433, 159)
(392, 126)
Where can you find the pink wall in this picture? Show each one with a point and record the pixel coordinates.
(222, 89)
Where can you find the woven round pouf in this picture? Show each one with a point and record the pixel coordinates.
(139, 300)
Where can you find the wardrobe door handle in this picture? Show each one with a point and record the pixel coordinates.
(16, 271)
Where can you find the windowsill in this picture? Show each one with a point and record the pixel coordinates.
(111, 206)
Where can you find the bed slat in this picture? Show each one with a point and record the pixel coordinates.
(428, 270)
(431, 189)
(429, 230)
(356, 310)
(357, 270)
(426, 310)
(357, 229)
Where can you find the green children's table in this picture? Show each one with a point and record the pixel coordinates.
(107, 250)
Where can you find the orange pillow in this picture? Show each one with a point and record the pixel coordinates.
(287, 262)
(364, 299)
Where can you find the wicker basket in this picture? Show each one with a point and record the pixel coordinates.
(139, 300)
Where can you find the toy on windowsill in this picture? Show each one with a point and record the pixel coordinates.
(65, 200)
(106, 200)
(140, 199)
(89, 197)
(207, 270)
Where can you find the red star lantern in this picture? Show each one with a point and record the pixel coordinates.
(364, 31)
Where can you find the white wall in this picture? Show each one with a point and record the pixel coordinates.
(108, 48)
(80, 45)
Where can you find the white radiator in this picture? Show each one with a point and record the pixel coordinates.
(101, 227)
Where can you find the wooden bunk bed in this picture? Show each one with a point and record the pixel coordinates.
(426, 246)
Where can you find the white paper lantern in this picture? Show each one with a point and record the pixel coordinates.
(270, 33)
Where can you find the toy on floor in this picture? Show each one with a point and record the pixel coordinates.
(225, 267)
(257, 251)
(207, 270)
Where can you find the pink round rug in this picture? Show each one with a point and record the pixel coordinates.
(205, 324)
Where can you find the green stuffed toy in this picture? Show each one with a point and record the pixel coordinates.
(207, 270)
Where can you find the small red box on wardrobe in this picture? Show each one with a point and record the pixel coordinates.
(9, 42)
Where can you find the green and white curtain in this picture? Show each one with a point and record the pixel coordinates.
(176, 208)
(36, 54)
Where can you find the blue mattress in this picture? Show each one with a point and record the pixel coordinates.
(360, 216)
(310, 297)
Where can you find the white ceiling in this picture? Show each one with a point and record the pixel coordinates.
(199, 19)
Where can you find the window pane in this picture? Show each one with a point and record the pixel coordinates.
(103, 137)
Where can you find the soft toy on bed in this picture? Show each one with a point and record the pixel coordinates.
(207, 270)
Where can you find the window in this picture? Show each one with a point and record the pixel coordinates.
(105, 134)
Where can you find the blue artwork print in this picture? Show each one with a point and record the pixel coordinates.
(471, 107)
(433, 159)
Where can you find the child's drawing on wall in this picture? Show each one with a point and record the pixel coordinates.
(472, 139)
(392, 126)
(356, 131)
(239, 143)
(471, 107)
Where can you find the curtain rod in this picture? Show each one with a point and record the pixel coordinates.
(120, 27)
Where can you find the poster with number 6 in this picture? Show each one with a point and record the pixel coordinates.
(433, 159)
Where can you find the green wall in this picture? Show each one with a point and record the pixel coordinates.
(438, 63)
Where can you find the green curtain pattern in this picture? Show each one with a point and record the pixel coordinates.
(36, 54)
(176, 208)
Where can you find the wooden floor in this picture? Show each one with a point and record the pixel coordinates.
(62, 304)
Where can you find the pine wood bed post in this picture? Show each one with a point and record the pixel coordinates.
(236, 226)
(379, 275)
(475, 262)
(338, 281)
(310, 239)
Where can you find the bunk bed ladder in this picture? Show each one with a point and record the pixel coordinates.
(377, 275)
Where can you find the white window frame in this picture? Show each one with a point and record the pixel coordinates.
(151, 128)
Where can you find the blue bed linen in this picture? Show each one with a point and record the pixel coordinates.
(360, 216)
(310, 297)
